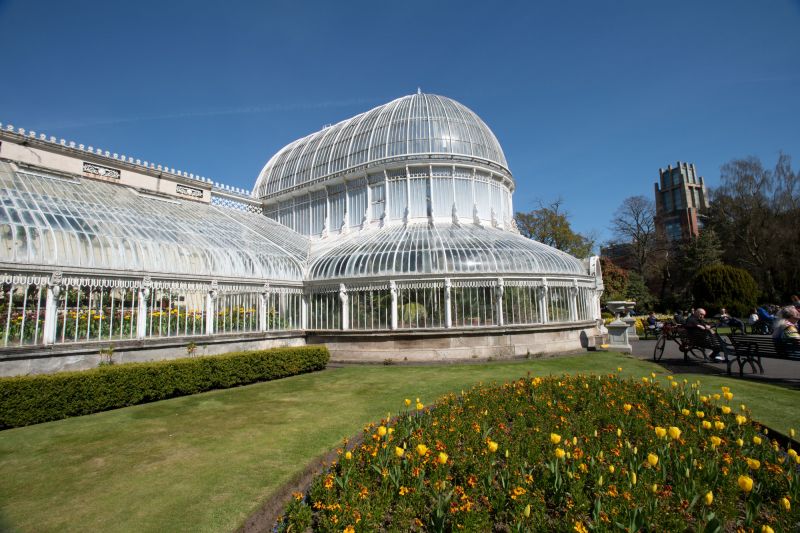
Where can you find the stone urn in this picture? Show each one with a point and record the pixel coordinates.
(622, 311)
(619, 329)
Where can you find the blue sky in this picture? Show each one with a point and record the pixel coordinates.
(588, 99)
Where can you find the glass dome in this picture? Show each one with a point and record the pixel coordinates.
(418, 124)
(418, 249)
(73, 222)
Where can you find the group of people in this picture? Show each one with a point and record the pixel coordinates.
(780, 322)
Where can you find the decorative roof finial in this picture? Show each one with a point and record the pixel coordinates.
(419, 90)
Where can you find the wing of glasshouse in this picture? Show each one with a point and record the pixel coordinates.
(397, 222)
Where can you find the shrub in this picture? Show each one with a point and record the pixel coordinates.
(718, 286)
(32, 399)
(583, 453)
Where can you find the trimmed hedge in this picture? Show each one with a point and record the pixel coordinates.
(29, 400)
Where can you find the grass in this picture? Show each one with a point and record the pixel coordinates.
(206, 462)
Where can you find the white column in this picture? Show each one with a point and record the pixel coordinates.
(499, 291)
(448, 308)
(345, 308)
(573, 301)
(141, 324)
(262, 309)
(211, 299)
(393, 292)
(51, 313)
(304, 310)
(543, 301)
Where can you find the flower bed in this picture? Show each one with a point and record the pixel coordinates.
(583, 453)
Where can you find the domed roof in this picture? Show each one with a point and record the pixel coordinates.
(418, 124)
(419, 249)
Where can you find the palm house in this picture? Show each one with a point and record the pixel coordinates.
(387, 236)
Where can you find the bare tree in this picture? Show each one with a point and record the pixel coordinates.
(634, 224)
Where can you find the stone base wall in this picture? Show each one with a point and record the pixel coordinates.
(463, 344)
(457, 344)
(50, 359)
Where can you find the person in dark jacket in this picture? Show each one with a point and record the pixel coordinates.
(699, 330)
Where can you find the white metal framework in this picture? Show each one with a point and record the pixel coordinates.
(398, 219)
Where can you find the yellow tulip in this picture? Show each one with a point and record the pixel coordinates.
(685, 412)
(348, 456)
(674, 433)
(719, 425)
(645, 379)
(559, 453)
(627, 407)
(381, 431)
(791, 432)
(527, 511)
(726, 410)
(633, 478)
(574, 441)
(652, 459)
(399, 452)
(660, 432)
(792, 452)
(741, 419)
(745, 483)
(420, 407)
(739, 443)
(704, 399)
(728, 396)
(422, 449)
(700, 414)
(754, 464)
(756, 440)
(654, 488)
(619, 432)
(619, 369)
(785, 504)
(715, 441)
(611, 469)
(709, 498)
(442, 458)
(554, 438)
(492, 445)
(407, 402)
(766, 529)
(706, 424)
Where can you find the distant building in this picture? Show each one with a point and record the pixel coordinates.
(681, 202)
(620, 253)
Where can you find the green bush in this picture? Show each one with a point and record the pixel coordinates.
(718, 286)
(29, 400)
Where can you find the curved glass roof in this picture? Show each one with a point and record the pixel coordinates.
(416, 124)
(72, 222)
(418, 249)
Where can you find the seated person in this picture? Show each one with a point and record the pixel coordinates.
(699, 331)
(785, 335)
(727, 320)
(763, 325)
(679, 318)
(652, 321)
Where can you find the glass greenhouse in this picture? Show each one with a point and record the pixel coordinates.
(399, 219)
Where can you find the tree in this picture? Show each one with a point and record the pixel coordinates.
(615, 280)
(755, 212)
(550, 225)
(634, 224)
(718, 286)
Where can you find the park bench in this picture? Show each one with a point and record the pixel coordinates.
(759, 346)
(697, 342)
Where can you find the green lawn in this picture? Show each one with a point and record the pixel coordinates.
(205, 462)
